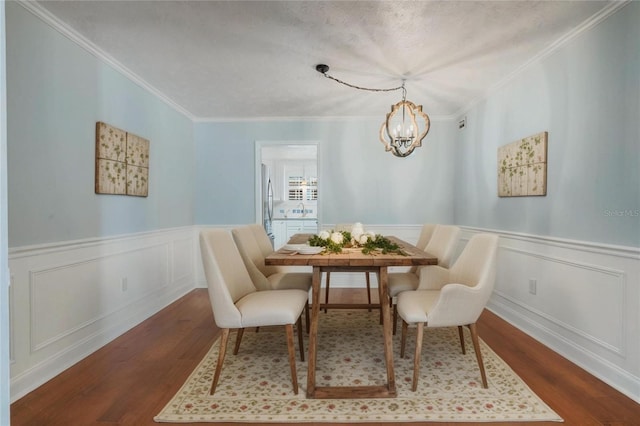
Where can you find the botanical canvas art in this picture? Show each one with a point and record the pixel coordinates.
(522, 167)
(122, 162)
(137, 165)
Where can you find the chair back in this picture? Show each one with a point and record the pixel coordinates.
(423, 240)
(344, 227)
(253, 257)
(443, 243)
(263, 240)
(475, 268)
(227, 278)
(476, 265)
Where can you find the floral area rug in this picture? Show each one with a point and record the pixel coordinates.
(255, 385)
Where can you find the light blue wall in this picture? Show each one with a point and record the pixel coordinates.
(56, 91)
(359, 181)
(587, 96)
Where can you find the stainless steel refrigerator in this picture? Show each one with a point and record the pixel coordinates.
(267, 201)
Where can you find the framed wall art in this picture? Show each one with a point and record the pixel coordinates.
(522, 167)
(122, 162)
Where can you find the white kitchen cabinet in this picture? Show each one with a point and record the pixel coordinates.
(301, 227)
(310, 227)
(305, 169)
(279, 229)
(283, 230)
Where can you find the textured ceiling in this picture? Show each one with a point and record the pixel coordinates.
(243, 59)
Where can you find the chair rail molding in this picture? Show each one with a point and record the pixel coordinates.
(105, 286)
(581, 299)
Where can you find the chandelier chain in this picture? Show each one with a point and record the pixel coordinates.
(402, 139)
(404, 91)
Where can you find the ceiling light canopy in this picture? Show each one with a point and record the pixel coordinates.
(404, 127)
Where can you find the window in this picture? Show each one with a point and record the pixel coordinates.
(301, 189)
(312, 194)
(296, 194)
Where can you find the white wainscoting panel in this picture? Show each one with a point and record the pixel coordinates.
(70, 299)
(586, 304)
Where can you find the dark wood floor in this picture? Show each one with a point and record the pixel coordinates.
(130, 380)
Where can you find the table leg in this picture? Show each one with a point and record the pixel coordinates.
(313, 333)
(386, 327)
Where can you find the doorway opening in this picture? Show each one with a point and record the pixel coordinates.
(287, 188)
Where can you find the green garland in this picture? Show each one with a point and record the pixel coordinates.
(379, 243)
(383, 244)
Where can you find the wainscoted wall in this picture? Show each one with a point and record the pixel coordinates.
(586, 304)
(68, 300)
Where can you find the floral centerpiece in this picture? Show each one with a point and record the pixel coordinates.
(335, 241)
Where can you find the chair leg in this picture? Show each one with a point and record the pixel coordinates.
(292, 357)
(300, 342)
(395, 315)
(403, 338)
(238, 340)
(326, 292)
(366, 274)
(307, 317)
(416, 360)
(223, 349)
(379, 294)
(461, 334)
(476, 347)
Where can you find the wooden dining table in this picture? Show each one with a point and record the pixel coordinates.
(351, 260)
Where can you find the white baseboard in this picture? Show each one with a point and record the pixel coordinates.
(605, 370)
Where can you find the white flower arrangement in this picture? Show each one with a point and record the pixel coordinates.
(369, 241)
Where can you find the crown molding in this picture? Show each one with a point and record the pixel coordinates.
(48, 18)
(43, 14)
(54, 22)
(594, 20)
(317, 118)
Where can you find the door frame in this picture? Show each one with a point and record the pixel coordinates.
(259, 144)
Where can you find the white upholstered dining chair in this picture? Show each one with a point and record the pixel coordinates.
(452, 298)
(253, 250)
(254, 246)
(237, 304)
(439, 241)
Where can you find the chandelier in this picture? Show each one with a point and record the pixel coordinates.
(404, 127)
